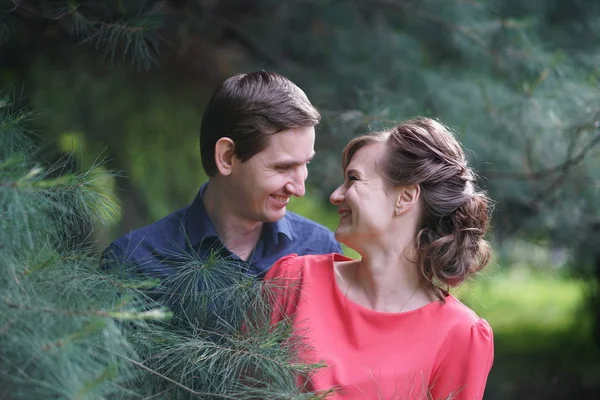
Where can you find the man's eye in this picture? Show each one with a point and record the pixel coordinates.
(352, 178)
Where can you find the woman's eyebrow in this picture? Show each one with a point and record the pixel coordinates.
(352, 171)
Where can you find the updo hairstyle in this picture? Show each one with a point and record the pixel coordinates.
(450, 239)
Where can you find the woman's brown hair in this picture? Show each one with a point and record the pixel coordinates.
(450, 238)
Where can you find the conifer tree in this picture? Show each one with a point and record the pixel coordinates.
(71, 331)
(59, 318)
(518, 80)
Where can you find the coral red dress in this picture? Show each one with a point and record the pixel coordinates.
(439, 351)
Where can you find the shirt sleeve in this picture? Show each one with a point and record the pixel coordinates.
(283, 284)
(464, 364)
(114, 260)
(112, 257)
(335, 247)
(329, 244)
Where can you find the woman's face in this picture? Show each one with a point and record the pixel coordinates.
(365, 205)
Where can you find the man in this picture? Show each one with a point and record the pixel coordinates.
(256, 139)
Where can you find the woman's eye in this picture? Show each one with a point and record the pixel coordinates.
(352, 178)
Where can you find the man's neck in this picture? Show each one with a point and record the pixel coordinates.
(239, 236)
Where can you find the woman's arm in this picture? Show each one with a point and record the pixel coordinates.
(464, 364)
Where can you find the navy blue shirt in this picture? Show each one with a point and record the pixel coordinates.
(153, 249)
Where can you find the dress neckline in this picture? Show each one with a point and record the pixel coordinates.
(364, 310)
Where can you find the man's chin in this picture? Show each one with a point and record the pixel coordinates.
(274, 216)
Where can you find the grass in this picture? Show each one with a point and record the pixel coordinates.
(544, 347)
(518, 300)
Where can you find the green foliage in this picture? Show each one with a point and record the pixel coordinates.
(518, 81)
(69, 330)
(518, 299)
(145, 132)
(59, 318)
(521, 96)
(125, 31)
(541, 329)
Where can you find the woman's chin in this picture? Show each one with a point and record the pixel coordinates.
(342, 235)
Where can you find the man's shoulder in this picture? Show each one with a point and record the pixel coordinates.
(310, 237)
(156, 234)
(298, 222)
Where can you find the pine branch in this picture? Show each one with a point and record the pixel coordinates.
(136, 38)
(171, 381)
(406, 7)
(563, 168)
(154, 315)
(220, 343)
(243, 37)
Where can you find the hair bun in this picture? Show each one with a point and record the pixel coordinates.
(456, 247)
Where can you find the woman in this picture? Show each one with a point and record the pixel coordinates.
(385, 324)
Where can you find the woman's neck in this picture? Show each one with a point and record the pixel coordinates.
(388, 281)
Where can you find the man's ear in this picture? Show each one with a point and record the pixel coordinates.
(224, 154)
(408, 197)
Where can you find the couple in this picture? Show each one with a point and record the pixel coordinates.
(384, 324)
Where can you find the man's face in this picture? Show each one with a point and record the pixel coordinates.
(264, 184)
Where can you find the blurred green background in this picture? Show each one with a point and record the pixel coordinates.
(125, 82)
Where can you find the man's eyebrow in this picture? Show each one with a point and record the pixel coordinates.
(295, 163)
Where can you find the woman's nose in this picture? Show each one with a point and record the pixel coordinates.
(337, 196)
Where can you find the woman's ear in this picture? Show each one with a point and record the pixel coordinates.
(407, 198)
(224, 153)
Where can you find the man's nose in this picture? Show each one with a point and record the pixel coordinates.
(296, 188)
(296, 185)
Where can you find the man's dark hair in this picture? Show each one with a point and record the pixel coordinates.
(248, 108)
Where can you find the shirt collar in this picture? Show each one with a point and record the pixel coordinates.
(283, 227)
(200, 226)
